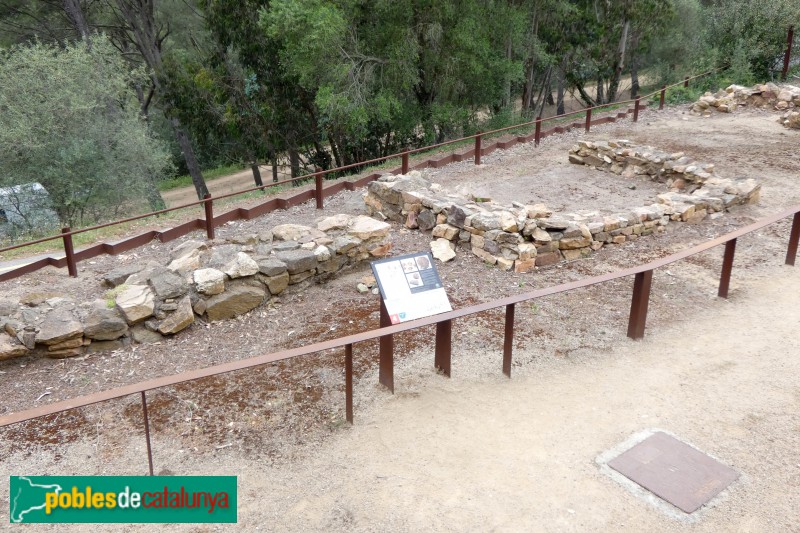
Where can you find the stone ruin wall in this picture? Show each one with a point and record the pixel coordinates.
(215, 280)
(784, 98)
(222, 279)
(521, 237)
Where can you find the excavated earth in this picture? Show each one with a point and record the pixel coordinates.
(276, 426)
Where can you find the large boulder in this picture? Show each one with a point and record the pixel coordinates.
(365, 227)
(344, 243)
(168, 284)
(241, 266)
(116, 277)
(335, 222)
(180, 319)
(136, 302)
(150, 269)
(105, 325)
(290, 232)
(187, 248)
(298, 260)
(209, 281)
(57, 327)
(278, 283)
(270, 266)
(191, 260)
(10, 347)
(442, 250)
(222, 255)
(235, 301)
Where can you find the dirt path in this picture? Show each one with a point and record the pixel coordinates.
(480, 453)
(223, 185)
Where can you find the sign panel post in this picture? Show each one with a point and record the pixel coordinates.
(410, 289)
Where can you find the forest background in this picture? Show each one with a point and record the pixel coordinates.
(104, 102)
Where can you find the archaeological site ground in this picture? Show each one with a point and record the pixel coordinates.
(477, 450)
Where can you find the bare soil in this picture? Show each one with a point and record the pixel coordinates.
(476, 451)
(237, 181)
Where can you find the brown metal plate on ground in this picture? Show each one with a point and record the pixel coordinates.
(674, 471)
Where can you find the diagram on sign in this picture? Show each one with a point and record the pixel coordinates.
(410, 287)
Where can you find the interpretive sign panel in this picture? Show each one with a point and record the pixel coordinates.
(410, 287)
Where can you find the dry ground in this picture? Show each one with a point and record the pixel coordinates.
(476, 451)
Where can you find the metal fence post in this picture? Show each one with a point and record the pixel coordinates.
(404, 170)
(537, 136)
(788, 55)
(588, 119)
(663, 95)
(444, 346)
(69, 252)
(348, 382)
(727, 267)
(478, 149)
(209, 207)
(639, 303)
(508, 340)
(636, 105)
(318, 187)
(794, 236)
(386, 352)
(147, 433)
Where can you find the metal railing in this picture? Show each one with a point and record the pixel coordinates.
(637, 318)
(319, 192)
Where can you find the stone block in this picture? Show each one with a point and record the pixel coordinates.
(524, 265)
(548, 258)
(298, 261)
(209, 281)
(277, 284)
(445, 231)
(237, 300)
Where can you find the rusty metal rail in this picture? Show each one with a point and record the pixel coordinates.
(319, 192)
(643, 275)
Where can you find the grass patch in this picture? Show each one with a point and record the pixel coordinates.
(111, 295)
(209, 175)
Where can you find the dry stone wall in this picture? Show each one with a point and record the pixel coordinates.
(522, 237)
(784, 98)
(208, 280)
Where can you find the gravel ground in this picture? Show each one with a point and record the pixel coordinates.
(276, 425)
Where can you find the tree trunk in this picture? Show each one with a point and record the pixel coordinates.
(294, 163)
(138, 17)
(600, 97)
(619, 63)
(507, 81)
(634, 65)
(560, 94)
(256, 173)
(337, 159)
(74, 11)
(585, 96)
(527, 87)
(273, 158)
(191, 160)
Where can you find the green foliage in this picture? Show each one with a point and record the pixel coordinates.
(71, 122)
(751, 34)
(110, 295)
